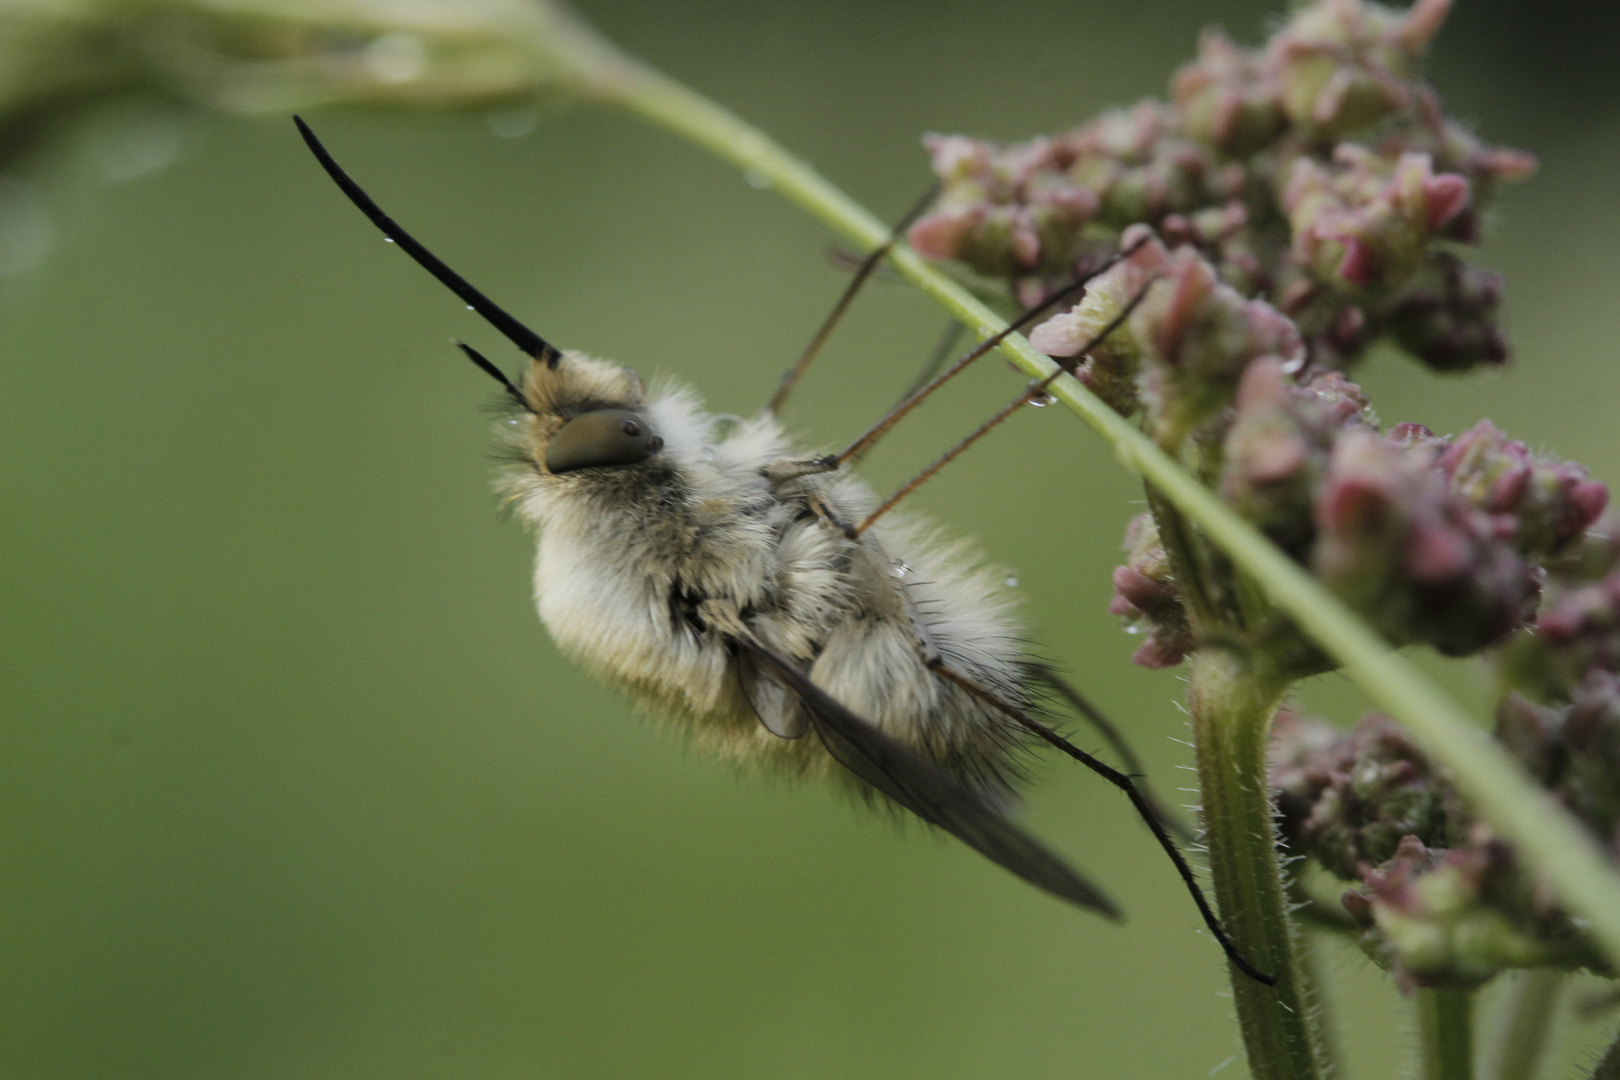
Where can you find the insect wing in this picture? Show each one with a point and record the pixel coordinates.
(927, 791)
(778, 708)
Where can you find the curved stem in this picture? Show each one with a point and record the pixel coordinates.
(1446, 1031)
(1551, 842)
(1232, 706)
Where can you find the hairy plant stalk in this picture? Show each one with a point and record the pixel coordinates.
(1446, 1033)
(1312, 978)
(1527, 1025)
(1232, 705)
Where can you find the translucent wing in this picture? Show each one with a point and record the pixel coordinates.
(922, 787)
(777, 707)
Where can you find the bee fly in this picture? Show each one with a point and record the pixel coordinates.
(719, 578)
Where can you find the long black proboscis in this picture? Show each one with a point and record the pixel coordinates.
(521, 336)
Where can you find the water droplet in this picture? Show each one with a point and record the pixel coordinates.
(1294, 366)
(469, 307)
(388, 239)
(1041, 400)
(757, 179)
(900, 569)
(1011, 581)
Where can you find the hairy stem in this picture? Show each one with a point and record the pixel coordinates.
(1549, 840)
(1232, 706)
(1446, 1033)
(1313, 977)
(1527, 1024)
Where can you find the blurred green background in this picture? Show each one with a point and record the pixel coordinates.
(292, 783)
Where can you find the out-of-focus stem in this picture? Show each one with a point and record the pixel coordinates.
(1446, 1033)
(1232, 706)
(1527, 1024)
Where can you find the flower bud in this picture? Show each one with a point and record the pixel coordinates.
(1446, 315)
(1417, 560)
(1342, 65)
(1349, 799)
(1577, 633)
(1141, 167)
(1433, 920)
(1366, 222)
(1548, 503)
(1005, 211)
(1199, 335)
(1145, 597)
(1111, 364)
(1228, 99)
(1276, 451)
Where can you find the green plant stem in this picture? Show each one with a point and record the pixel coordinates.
(1446, 1031)
(1313, 980)
(1547, 838)
(1528, 1022)
(1232, 705)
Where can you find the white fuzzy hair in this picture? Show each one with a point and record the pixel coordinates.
(628, 553)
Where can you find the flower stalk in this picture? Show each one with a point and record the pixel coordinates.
(1232, 705)
(1446, 1031)
(1532, 1000)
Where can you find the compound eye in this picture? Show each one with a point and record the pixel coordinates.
(603, 437)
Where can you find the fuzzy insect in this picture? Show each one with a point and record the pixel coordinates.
(714, 574)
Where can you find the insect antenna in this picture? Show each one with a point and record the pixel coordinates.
(792, 375)
(1034, 391)
(1144, 810)
(525, 339)
(857, 449)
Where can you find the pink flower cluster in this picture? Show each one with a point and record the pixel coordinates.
(1432, 540)
(1316, 174)
(1440, 901)
(1363, 222)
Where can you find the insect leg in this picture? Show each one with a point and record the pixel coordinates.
(1034, 391)
(791, 468)
(1115, 738)
(792, 375)
(860, 446)
(1144, 809)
